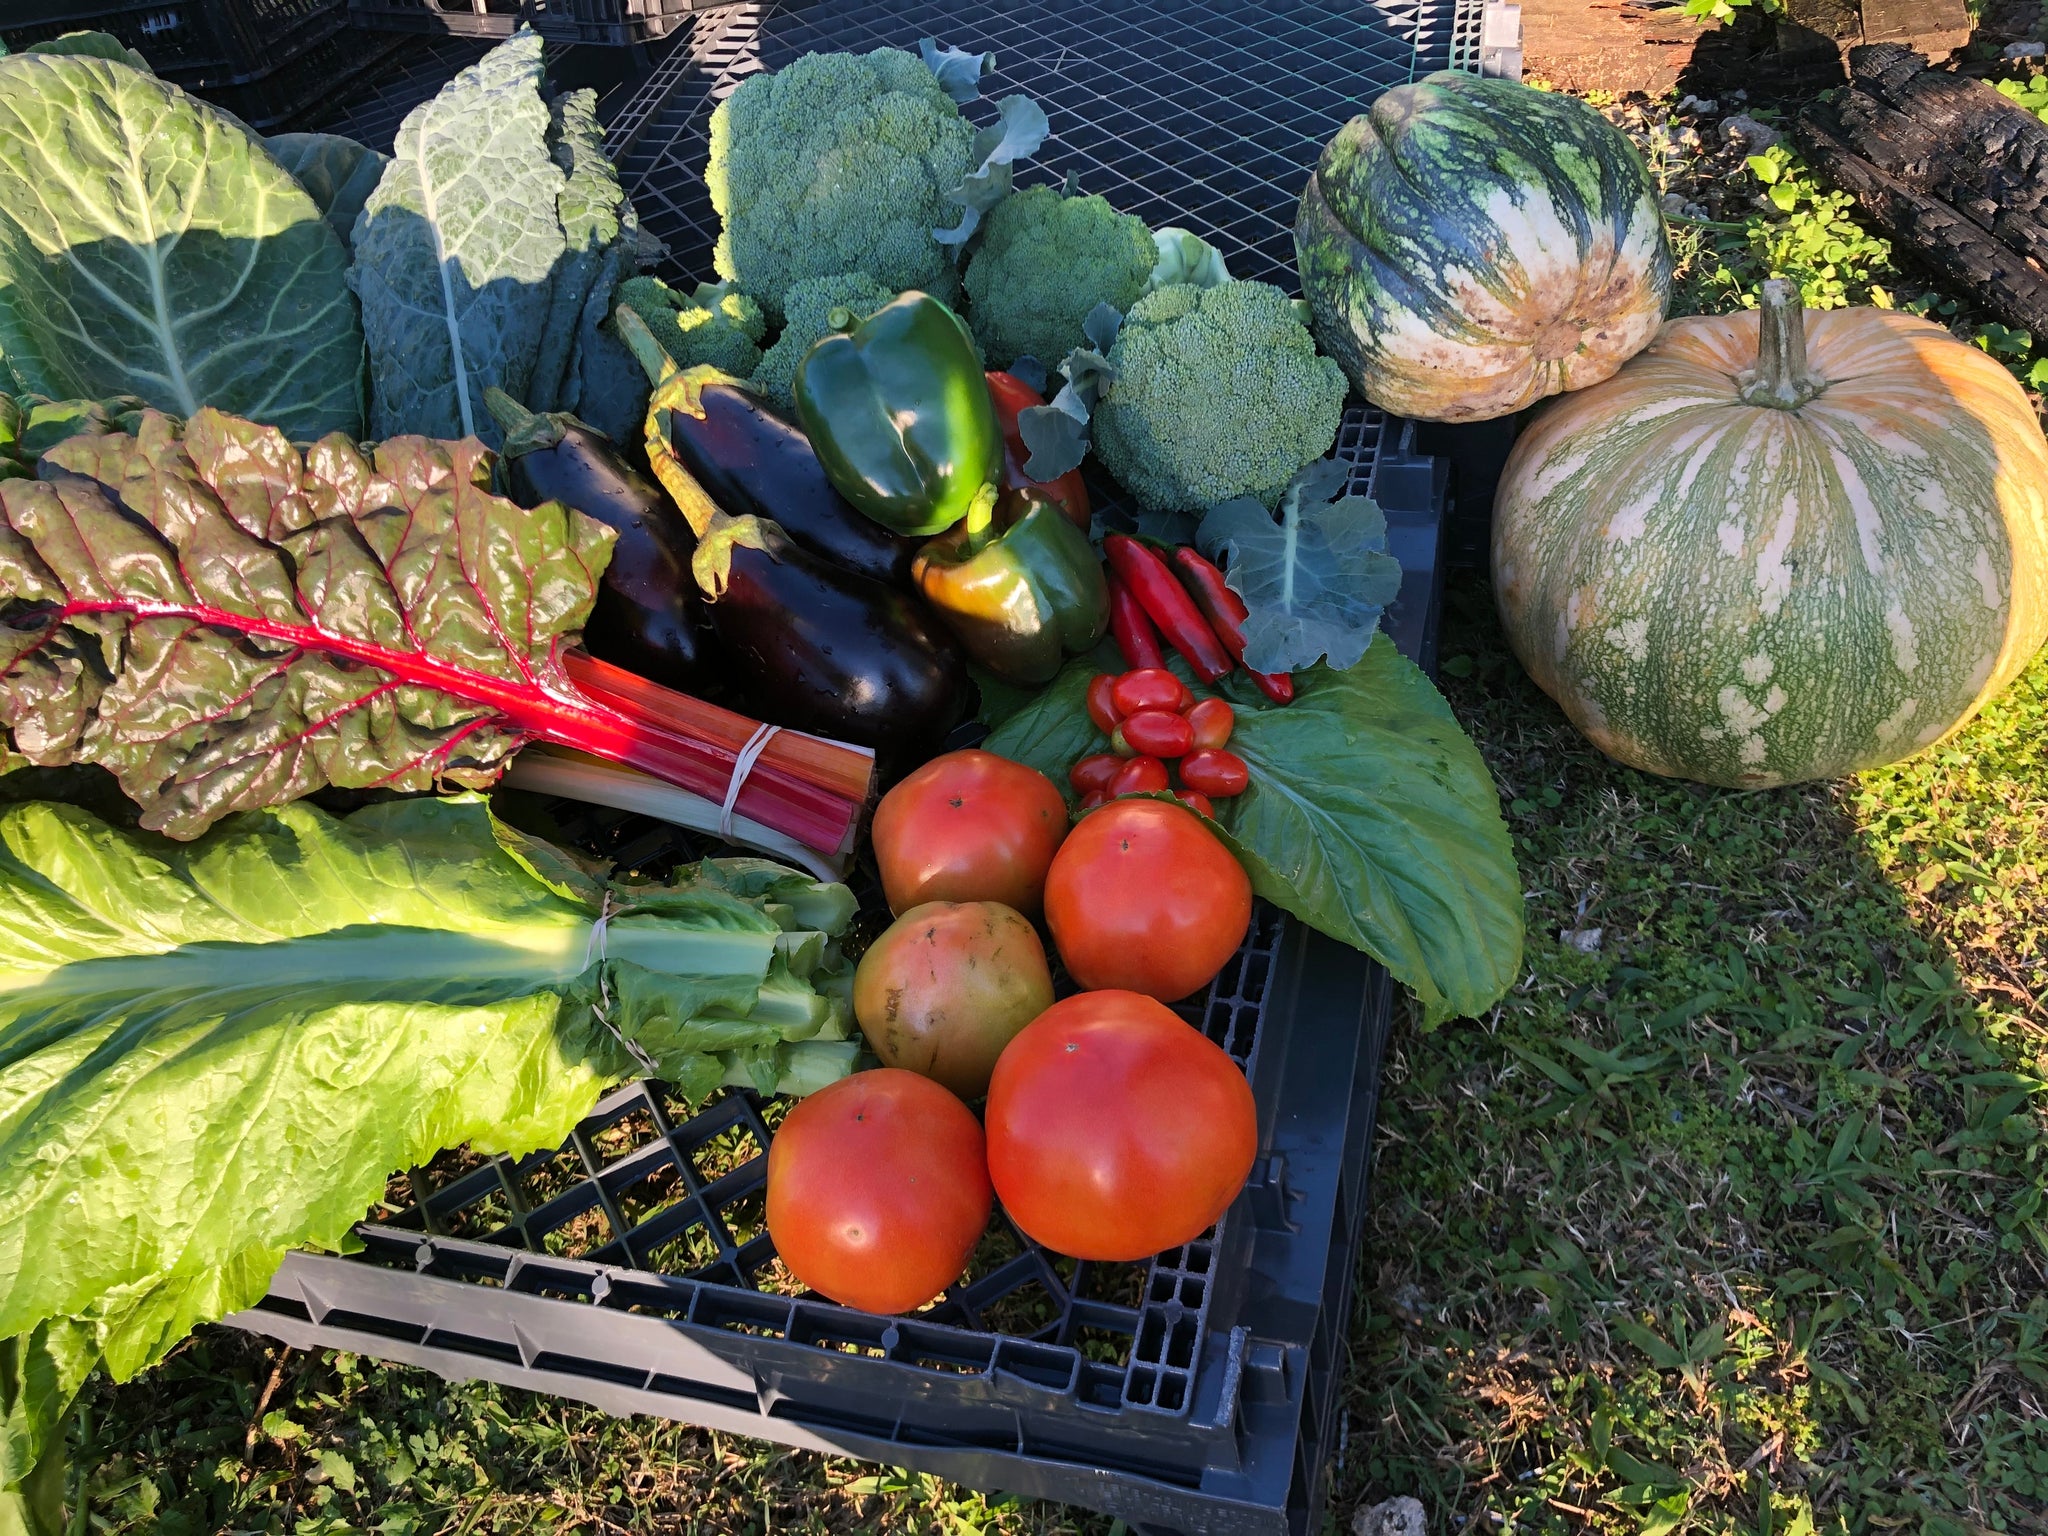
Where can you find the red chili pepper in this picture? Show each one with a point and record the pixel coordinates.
(1012, 396)
(1167, 604)
(1226, 614)
(1135, 636)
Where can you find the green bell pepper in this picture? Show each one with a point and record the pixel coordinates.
(898, 410)
(1018, 583)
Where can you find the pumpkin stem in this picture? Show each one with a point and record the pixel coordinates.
(1780, 378)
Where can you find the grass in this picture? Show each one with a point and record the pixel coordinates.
(1729, 1219)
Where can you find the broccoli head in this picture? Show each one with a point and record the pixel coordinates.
(716, 325)
(838, 163)
(806, 309)
(1215, 393)
(1045, 262)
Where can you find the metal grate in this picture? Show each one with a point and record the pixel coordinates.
(1208, 114)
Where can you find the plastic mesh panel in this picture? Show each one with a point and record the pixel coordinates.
(1203, 113)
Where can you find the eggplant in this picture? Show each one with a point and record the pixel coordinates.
(649, 615)
(753, 459)
(815, 646)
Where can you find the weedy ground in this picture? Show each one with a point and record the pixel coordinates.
(1730, 1218)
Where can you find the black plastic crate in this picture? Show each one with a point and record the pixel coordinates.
(198, 43)
(611, 23)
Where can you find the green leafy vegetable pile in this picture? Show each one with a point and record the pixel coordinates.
(1370, 816)
(149, 246)
(211, 1053)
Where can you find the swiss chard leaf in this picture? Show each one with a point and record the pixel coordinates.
(338, 173)
(1315, 581)
(224, 623)
(456, 251)
(149, 247)
(1370, 817)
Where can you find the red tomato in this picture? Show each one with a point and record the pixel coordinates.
(969, 826)
(1156, 733)
(1216, 772)
(1093, 773)
(1196, 801)
(1100, 709)
(1115, 1130)
(878, 1190)
(1142, 895)
(1094, 798)
(1212, 721)
(1149, 688)
(1140, 776)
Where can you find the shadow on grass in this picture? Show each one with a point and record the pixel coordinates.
(1730, 1218)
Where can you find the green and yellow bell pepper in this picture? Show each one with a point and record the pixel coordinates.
(1018, 583)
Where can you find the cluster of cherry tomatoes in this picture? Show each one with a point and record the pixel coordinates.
(1151, 718)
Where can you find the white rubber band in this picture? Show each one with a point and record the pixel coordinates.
(743, 765)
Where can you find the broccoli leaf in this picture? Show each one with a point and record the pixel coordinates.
(1057, 434)
(1018, 131)
(1316, 581)
(958, 71)
(1185, 257)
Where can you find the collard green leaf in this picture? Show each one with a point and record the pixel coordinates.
(456, 251)
(148, 247)
(215, 1052)
(1315, 581)
(338, 173)
(1370, 817)
(594, 213)
(225, 623)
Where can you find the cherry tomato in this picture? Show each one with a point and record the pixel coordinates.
(1142, 895)
(1139, 776)
(1212, 721)
(1156, 733)
(1093, 773)
(1115, 1130)
(1094, 798)
(878, 1190)
(1149, 688)
(1104, 713)
(969, 826)
(1196, 801)
(1216, 772)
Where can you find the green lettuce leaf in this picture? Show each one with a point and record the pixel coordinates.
(1370, 816)
(338, 173)
(148, 247)
(211, 1053)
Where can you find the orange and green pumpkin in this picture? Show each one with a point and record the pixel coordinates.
(1778, 545)
(1469, 247)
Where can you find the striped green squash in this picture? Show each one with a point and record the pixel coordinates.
(1472, 246)
(1778, 545)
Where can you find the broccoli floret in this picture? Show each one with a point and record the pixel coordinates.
(716, 325)
(1045, 262)
(838, 163)
(805, 310)
(1215, 393)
